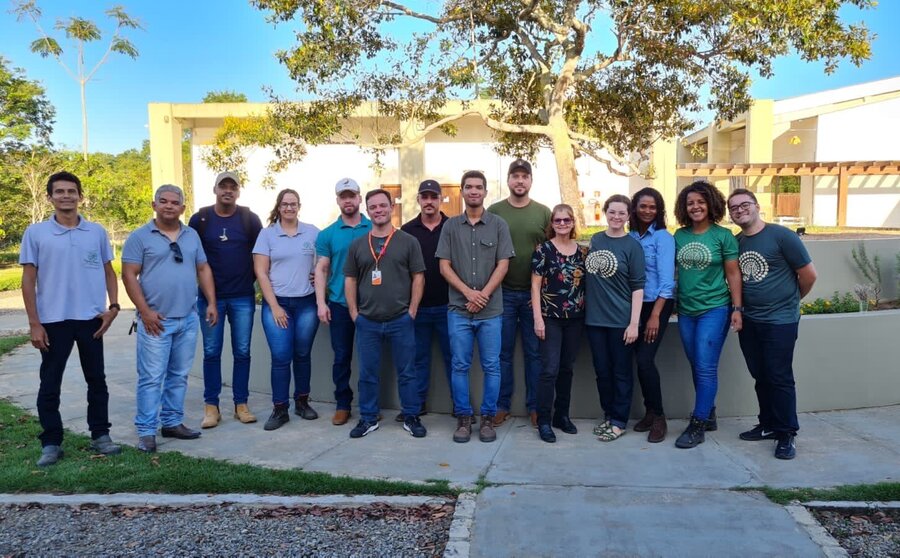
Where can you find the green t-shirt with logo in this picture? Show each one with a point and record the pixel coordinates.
(769, 262)
(528, 229)
(700, 260)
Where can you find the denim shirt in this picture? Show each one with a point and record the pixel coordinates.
(659, 259)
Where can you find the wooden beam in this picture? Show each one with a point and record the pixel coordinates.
(843, 188)
(722, 170)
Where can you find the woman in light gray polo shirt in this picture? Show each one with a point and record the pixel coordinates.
(283, 259)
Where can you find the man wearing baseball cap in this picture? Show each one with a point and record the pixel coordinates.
(228, 232)
(332, 246)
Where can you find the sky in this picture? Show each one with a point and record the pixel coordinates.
(190, 47)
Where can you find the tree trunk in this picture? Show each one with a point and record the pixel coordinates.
(84, 125)
(565, 168)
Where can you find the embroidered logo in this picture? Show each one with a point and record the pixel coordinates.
(754, 267)
(694, 255)
(602, 263)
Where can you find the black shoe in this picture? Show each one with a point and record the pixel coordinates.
(400, 417)
(711, 423)
(279, 418)
(785, 448)
(693, 435)
(303, 410)
(546, 433)
(180, 432)
(414, 426)
(758, 433)
(565, 424)
(362, 428)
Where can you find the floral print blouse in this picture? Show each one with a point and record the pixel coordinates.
(562, 287)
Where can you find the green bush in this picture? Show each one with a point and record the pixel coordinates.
(837, 304)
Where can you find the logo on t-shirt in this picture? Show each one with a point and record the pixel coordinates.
(602, 263)
(694, 255)
(754, 267)
(91, 258)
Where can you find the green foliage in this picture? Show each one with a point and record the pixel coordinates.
(788, 184)
(879, 492)
(870, 268)
(10, 278)
(9, 343)
(837, 304)
(26, 116)
(224, 96)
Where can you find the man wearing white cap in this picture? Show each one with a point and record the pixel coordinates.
(332, 245)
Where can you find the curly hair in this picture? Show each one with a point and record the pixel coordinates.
(274, 215)
(648, 192)
(715, 203)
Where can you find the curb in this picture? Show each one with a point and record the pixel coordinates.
(818, 534)
(461, 527)
(843, 504)
(148, 499)
(14, 332)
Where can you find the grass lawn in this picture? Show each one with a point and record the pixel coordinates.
(80, 471)
(880, 492)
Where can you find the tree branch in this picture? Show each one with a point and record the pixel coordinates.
(580, 141)
(102, 61)
(46, 38)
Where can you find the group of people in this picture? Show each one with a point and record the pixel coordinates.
(486, 276)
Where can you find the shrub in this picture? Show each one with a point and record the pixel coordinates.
(837, 304)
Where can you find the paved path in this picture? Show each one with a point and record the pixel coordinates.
(577, 497)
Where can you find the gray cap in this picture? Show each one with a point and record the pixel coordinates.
(230, 175)
(430, 186)
(519, 164)
(346, 185)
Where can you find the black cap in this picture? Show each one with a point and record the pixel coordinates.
(430, 186)
(519, 164)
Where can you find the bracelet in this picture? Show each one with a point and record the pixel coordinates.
(115, 306)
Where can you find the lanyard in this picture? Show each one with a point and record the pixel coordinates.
(383, 248)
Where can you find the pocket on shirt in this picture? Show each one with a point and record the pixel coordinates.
(488, 248)
(90, 258)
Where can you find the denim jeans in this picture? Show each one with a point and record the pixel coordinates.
(463, 333)
(559, 348)
(62, 337)
(769, 352)
(370, 336)
(612, 367)
(163, 363)
(517, 314)
(645, 355)
(342, 330)
(703, 337)
(431, 321)
(291, 345)
(239, 310)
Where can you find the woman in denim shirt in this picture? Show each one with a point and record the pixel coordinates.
(648, 226)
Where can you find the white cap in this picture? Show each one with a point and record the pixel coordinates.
(346, 185)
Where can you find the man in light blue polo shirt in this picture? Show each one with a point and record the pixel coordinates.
(332, 245)
(161, 263)
(66, 278)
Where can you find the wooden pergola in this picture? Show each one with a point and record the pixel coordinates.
(842, 169)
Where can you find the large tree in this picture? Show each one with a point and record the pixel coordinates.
(602, 78)
(26, 116)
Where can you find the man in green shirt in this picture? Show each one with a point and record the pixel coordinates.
(527, 220)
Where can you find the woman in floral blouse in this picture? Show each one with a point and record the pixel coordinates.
(557, 299)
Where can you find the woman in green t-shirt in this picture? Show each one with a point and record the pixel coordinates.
(709, 296)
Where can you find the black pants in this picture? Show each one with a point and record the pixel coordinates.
(769, 352)
(63, 335)
(558, 351)
(612, 366)
(645, 355)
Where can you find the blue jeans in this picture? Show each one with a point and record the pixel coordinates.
(163, 363)
(431, 321)
(612, 367)
(517, 314)
(239, 310)
(292, 344)
(769, 352)
(342, 329)
(463, 333)
(370, 336)
(703, 337)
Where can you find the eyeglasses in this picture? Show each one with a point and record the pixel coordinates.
(562, 221)
(741, 207)
(289, 205)
(176, 249)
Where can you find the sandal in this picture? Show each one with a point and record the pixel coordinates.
(611, 434)
(602, 427)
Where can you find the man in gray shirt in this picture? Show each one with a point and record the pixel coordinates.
(474, 252)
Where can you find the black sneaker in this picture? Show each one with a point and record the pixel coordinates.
(712, 424)
(565, 424)
(362, 428)
(785, 448)
(758, 433)
(546, 433)
(279, 418)
(693, 435)
(414, 426)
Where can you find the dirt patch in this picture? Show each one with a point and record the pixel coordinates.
(864, 533)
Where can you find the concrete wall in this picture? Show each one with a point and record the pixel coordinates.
(837, 271)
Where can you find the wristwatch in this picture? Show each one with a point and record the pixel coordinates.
(115, 306)
(738, 309)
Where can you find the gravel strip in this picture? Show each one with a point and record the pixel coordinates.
(864, 533)
(225, 530)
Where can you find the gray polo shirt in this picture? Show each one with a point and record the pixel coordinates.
(169, 287)
(402, 258)
(71, 282)
(291, 258)
(473, 251)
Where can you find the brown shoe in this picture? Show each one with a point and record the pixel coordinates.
(533, 419)
(486, 432)
(463, 429)
(211, 416)
(341, 416)
(243, 414)
(658, 429)
(500, 417)
(645, 423)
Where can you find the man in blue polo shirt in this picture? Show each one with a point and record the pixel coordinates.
(228, 232)
(161, 263)
(66, 278)
(332, 245)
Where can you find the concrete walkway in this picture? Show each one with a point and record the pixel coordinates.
(577, 497)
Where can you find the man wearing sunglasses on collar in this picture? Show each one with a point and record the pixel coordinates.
(162, 262)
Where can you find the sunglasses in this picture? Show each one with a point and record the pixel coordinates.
(562, 221)
(176, 249)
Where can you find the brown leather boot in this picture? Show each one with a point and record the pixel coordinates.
(211, 416)
(243, 414)
(533, 416)
(658, 429)
(463, 429)
(302, 408)
(500, 417)
(341, 416)
(645, 423)
(486, 432)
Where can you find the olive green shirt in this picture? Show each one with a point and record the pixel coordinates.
(528, 229)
